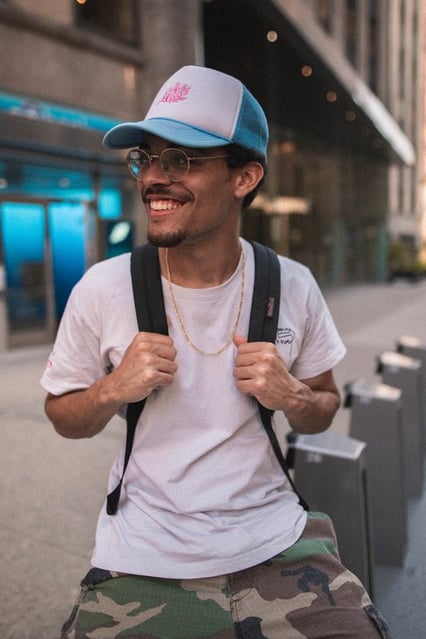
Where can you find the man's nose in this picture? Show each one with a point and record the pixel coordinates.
(154, 172)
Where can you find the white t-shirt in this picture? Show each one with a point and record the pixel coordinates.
(203, 492)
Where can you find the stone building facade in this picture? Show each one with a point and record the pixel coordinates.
(341, 82)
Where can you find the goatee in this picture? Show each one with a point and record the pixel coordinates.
(168, 240)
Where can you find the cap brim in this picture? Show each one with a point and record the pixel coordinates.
(127, 135)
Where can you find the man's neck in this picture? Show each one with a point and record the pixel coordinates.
(200, 266)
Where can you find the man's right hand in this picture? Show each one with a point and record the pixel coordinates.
(147, 364)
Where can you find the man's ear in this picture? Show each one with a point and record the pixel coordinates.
(248, 177)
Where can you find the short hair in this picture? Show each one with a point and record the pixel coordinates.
(238, 157)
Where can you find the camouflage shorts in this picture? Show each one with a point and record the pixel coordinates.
(302, 593)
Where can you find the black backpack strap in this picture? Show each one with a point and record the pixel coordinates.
(263, 328)
(151, 316)
(265, 305)
(147, 289)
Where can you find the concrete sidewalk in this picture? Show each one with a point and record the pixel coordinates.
(53, 488)
(52, 491)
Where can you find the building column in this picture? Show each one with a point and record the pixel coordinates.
(172, 36)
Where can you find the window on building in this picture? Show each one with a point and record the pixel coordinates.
(351, 31)
(114, 19)
(323, 13)
(373, 45)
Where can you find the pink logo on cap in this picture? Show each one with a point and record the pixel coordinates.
(177, 93)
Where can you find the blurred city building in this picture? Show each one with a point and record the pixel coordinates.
(341, 82)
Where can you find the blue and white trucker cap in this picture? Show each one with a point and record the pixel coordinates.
(200, 108)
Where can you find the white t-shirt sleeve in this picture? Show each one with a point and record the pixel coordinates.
(97, 326)
(317, 345)
(76, 361)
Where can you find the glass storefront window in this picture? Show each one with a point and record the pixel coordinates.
(55, 221)
(32, 180)
(22, 229)
(115, 20)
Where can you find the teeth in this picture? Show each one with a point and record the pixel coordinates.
(164, 205)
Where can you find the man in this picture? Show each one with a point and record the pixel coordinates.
(209, 539)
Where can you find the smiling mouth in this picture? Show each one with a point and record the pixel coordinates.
(164, 205)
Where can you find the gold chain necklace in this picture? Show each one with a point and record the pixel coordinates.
(179, 319)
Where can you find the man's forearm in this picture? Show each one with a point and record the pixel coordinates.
(311, 411)
(82, 413)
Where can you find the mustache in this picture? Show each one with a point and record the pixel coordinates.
(160, 190)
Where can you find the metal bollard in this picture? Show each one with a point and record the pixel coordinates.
(412, 347)
(330, 473)
(376, 418)
(405, 373)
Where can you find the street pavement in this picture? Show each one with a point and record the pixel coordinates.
(53, 488)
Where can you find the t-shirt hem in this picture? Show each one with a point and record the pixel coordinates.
(205, 568)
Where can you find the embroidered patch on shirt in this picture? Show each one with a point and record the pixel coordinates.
(285, 336)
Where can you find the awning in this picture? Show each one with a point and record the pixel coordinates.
(323, 46)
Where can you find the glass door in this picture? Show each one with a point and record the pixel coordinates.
(27, 299)
(68, 237)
